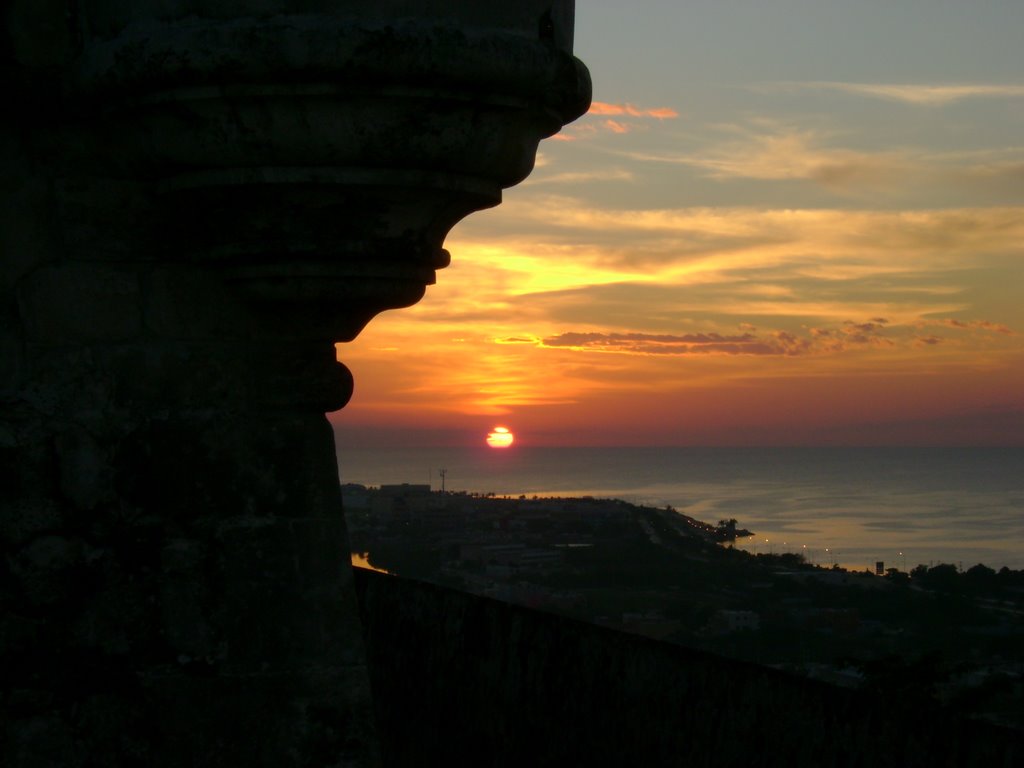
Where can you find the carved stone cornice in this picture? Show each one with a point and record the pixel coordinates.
(317, 160)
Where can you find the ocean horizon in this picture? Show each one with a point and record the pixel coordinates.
(849, 506)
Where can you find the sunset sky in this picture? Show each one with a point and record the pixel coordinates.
(781, 223)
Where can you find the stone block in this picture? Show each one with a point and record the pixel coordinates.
(25, 518)
(85, 474)
(307, 611)
(42, 741)
(116, 620)
(84, 303)
(27, 237)
(11, 360)
(226, 720)
(183, 302)
(46, 570)
(186, 602)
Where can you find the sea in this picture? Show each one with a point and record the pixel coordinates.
(854, 507)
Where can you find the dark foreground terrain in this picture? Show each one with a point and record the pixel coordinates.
(932, 640)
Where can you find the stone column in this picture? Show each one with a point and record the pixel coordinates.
(199, 199)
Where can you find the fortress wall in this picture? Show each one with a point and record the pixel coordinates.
(460, 676)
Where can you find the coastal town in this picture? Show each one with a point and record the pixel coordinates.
(928, 637)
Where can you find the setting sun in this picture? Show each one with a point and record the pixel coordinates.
(500, 437)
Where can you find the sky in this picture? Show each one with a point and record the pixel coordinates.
(782, 222)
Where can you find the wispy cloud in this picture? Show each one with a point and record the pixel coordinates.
(583, 177)
(769, 150)
(603, 108)
(630, 118)
(667, 344)
(517, 340)
(986, 325)
(690, 243)
(927, 95)
(785, 153)
(849, 335)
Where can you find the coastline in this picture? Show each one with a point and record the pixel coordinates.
(851, 506)
(651, 571)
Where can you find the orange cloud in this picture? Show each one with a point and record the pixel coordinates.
(603, 108)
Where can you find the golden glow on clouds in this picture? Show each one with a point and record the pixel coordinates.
(752, 276)
(691, 244)
(556, 323)
(536, 268)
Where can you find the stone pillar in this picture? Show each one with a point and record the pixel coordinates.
(199, 199)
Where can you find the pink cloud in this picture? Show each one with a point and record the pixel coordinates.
(603, 108)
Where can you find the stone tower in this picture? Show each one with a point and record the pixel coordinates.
(199, 199)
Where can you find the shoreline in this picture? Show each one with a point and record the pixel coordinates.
(903, 506)
(838, 558)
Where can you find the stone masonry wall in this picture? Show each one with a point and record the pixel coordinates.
(461, 679)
